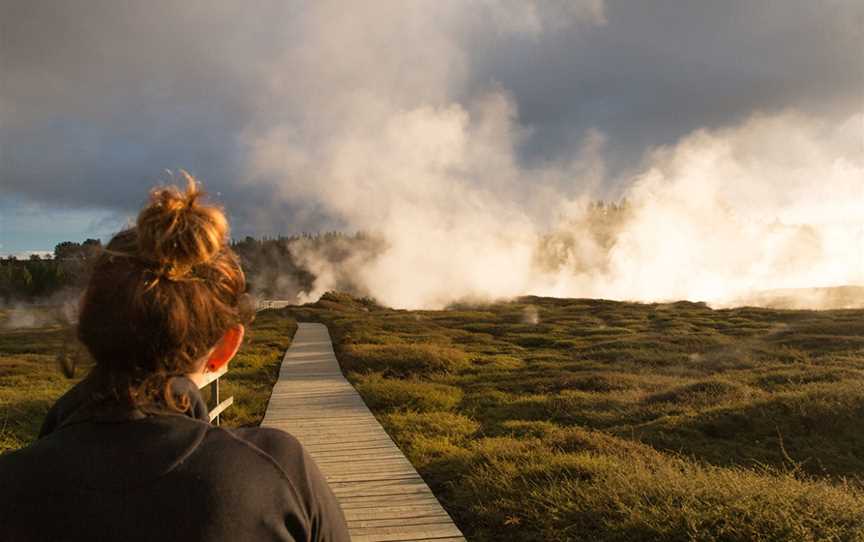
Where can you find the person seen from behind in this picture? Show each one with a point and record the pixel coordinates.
(128, 454)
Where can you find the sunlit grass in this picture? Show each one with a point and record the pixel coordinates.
(30, 378)
(549, 419)
(569, 419)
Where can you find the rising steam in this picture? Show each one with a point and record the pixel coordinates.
(386, 140)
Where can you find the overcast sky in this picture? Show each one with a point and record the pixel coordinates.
(99, 98)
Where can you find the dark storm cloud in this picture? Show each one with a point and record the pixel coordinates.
(663, 68)
(98, 97)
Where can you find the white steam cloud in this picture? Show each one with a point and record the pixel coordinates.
(776, 202)
(383, 142)
(383, 138)
(374, 135)
(430, 121)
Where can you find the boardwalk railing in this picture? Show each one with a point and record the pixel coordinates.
(211, 380)
(272, 304)
(213, 404)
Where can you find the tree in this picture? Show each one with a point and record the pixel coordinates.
(66, 250)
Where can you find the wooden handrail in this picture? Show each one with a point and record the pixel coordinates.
(217, 410)
(213, 404)
(210, 377)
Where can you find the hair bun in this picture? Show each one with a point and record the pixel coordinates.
(176, 232)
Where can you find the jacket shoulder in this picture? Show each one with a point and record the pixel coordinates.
(327, 520)
(274, 442)
(274, 447)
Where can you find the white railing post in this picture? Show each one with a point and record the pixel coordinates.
(214, 405)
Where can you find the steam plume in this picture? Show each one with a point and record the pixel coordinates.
(382, 138)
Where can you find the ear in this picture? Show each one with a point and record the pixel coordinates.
(226, 348)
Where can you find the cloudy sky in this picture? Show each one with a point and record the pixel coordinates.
(309, 115)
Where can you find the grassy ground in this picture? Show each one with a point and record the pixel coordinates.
(547, 419)
(544, 419)
(30, 380)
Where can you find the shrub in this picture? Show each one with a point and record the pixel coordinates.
(703, 393)
(796, 378)
(818, 429)
(403, 359)
(535, 340)
(497, 362)
(388, 394)
(407, 426)
(614, 490)
(596, 383)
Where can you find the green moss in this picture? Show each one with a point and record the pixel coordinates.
(387, 394)
(30, 380)
(407, 426)
(403, 359)
(702, 393)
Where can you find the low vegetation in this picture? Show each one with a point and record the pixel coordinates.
(571, 419)
(30, 379)
(574, 419)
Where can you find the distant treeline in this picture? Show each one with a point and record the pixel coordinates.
(283, 268)
(37, 278)
(287, 267)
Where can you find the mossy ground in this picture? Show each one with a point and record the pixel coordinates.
(572, 419)
(30, 379)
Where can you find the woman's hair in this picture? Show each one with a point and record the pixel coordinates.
(161, 295)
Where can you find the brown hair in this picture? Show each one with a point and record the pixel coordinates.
(161, 295)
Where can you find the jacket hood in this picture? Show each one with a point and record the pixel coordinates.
(106, 446)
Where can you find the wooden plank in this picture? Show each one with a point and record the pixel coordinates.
(313, 416)
(383, 507)
(343, 447)
(369, 462)
(383, 497)
(330, 435)
(391, 512)
(368, 476)
(290, 402)
(399, 533)
(349, 442)
(385, 504)
(384, 456)
(439, 521)
(210, 377)
(409, 485)
(322, 395)
(218, 409)
(345, 441)
(374, 464)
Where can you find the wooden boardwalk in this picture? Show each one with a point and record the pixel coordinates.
(383, 497)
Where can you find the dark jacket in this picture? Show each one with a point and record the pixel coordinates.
(102, 472)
